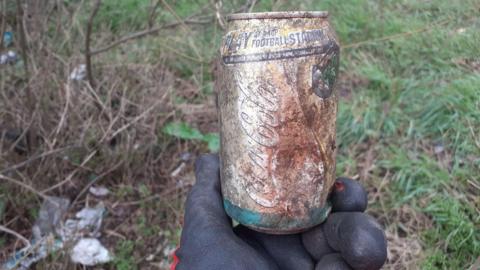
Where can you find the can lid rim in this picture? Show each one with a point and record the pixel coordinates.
(277, 15)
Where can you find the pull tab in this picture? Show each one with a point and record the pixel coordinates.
(324, 77)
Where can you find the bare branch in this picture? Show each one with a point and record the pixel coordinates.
(185, 28)
(143, 33)
(25, 186)
(151, 17)
(95, 180)
(14, 233)
(3, 26)
(22, 40)
(88, 56)
(218, 14)
(252, 5)
(32, 159)
(70, 176)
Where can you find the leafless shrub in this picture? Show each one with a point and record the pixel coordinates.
(60, 135)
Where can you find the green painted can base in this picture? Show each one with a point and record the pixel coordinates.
(276, 223)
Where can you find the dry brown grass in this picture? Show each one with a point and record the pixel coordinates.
(60, 136)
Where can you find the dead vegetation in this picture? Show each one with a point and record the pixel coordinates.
(61, 135)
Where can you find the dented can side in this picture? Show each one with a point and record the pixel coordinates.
(277, 110)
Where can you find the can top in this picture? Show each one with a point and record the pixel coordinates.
(277, 15)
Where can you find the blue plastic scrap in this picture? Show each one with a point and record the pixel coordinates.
(7, 39)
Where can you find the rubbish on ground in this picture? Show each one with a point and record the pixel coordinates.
(186, 156)
(178, 170)
(99, 191)
(50, 216)
(438, 148)
(79, 73)
(26, 257)
(89, 251)
(7, 39)
(9, 57)
(44, 241)
(88, 222)
(50, 234)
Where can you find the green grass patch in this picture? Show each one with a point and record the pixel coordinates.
(124, 259)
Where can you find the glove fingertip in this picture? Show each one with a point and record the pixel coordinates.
(207, 171)
(348, 196)
(359, 238)
(315, 242)
(207, 163)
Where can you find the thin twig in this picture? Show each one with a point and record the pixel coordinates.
(88, 56)
(218, 14)
(64, 113)
(32, 159)
(23, 41)
(95, 180)
(151, 17)
(390, 37)
(14, 233)
(29, 94)
(25, 186)
(136, 119)
(184, 27)
(69, 177)
(155, 196)
(99, 104)
(252, 5)
(3, 27)
(143, 33)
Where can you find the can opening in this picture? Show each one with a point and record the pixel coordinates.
(277, 15)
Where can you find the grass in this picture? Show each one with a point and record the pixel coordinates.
(124, 259)
(408, 121)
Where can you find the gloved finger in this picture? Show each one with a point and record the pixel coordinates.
(205, 219)
(359, 239)
(249, 237)
(348, 196)
(333, 261)
(315, 242)
(286, 250)
(204, 206)
(208, 240)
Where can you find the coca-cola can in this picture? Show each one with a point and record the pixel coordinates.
(277, 108)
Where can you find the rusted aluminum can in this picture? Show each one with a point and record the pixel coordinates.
(277, 110)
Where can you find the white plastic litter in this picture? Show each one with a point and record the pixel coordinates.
(8, 57)
(99, 191)
(44, 242)
(51, 234)
(439, 148)
(79, 73)
(50, 216)
(89, 251)
(26, 257)
(88, 222)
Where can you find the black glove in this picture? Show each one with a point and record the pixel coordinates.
(349, 239)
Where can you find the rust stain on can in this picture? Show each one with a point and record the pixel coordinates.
(277, 109)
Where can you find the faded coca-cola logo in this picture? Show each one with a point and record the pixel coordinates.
(259, 103)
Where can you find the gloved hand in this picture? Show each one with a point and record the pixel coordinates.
(349, 239)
